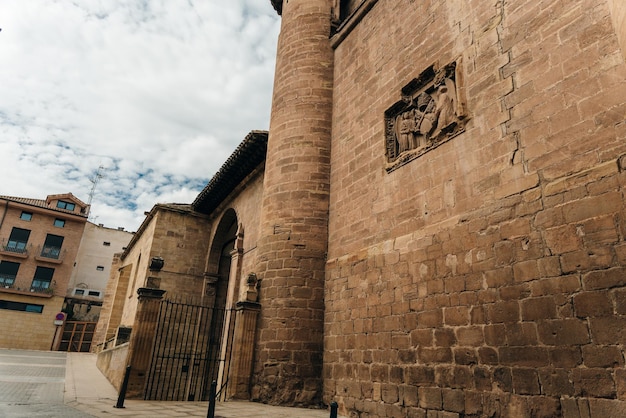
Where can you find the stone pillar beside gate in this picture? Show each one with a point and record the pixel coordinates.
(246, 315)
(142, 339)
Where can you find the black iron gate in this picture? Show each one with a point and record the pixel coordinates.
(186, 355)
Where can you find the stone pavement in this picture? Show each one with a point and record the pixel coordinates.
(32, 385)
(69, 385)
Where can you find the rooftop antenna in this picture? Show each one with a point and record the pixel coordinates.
(94, 182)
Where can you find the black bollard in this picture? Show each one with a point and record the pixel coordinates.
(212, 396)
(122, 395)
(333, 409)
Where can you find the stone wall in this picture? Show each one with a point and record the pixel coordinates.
(133, 271)
(294, 211)
(112, 305)
(618, 13)
(486, 276)
(181, 239)
(112, 363)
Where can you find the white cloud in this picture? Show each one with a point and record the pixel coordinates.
(158, 92)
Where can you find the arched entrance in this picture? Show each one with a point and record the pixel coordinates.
(223, 272)
(193, 338)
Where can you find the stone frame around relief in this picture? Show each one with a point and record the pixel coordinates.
(431, 112)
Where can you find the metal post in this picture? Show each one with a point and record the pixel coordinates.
(333, 409)
(122, 395)
(212, 392)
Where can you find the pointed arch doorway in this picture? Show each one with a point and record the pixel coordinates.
(223, 271)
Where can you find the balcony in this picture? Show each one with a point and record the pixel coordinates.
(50, 254)
(7, 281)
(42, 289)
(14, 248)
(7, 285)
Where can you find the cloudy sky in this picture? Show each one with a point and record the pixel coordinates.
(157, 92)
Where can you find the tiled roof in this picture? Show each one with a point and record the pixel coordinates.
(39, 203)
(248, 155)
(278, 5)
(180, 207)
(32, 202)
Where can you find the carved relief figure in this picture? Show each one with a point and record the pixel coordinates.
(425, 118)
(427, 115)
(446, 114)
(405, 127)
(414, 126)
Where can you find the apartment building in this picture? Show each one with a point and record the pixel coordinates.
(92, 269)
(39, 240)
(88, 281)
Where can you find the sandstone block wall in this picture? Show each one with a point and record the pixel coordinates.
(246, 205)
(133, 273)
(112, 363)
(112, 305)
(182, 240)
(292, 244)
(486, 277)
(618, 13)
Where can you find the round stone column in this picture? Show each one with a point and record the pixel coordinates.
(294, 217)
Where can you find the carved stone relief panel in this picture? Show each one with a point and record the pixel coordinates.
(431, 112)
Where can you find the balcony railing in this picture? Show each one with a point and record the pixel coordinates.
(16, 248)
(42, 289)
(7, 281)
(50, 254)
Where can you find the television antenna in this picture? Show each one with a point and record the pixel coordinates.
(94, 182)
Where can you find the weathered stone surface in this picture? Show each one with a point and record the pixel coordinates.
(483, 277)
(521, 257)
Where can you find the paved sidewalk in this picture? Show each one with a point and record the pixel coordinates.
(32, 384)
(87, 390)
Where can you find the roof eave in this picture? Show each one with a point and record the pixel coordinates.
(278, 5)
(243, 161)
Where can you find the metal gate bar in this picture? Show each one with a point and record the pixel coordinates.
(186, 353)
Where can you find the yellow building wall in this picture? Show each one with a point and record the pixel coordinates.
(29, 330)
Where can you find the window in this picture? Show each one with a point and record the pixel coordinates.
(59, 223)
(61, 204)
(100, 268)
(8, 272)
(42, 279)
(87, 292)
(52, 246)
(18, 240)
(106, 243)
(26, 216)
(19, 306)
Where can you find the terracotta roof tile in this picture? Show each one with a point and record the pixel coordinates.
(39, 203)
